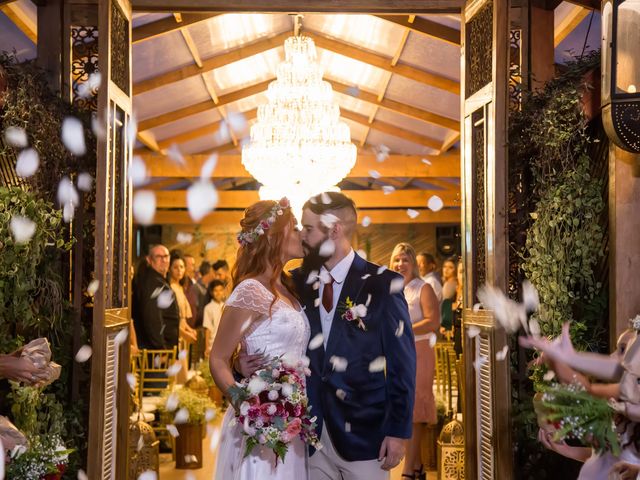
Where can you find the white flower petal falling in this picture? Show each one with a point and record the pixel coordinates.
(173, 370)
(396, 285)
(83, 354)
(93, 287)
(182, 416)
(381, 152)
(400, 329)
(175, 155)
(208, 167)
(339, 364)
(329, 220)
(122, 336)
(28, 162)
(381, 269)
(426, 161)
(366, 221)
(412, 213)
(138, 171)
(16, 137)
(172, 402)
(84, 476)
(547, 377)
(374, 174)
(22, 229)
(144, 207)
(316, 341)
(473, 331)
(502, 354)
(132, 381)
(388, 189)
(435, 203)
(165, 299)
(85, 182)
(73, 136)
(327, 248)
(173, 431)
(378, 364)
(202, 198)
(184, 238)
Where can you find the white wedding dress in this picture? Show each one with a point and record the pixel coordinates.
(286, 331)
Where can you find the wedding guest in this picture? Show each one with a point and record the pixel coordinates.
(177, 281)
(156, 327)
(213, 312)
(221, 269)
(425, 319)
(457, 307)
(197, 295)
(449, 285)
(429, 272)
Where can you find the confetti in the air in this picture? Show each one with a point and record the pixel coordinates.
(16, 137)
(377, 365)
(83, 354)
(476, 307)
(382, 152)
(175, 155)
(208, 167)
(22, 229)
(329, 220)
(502, 354)
(236, 121)
(316, 302)
(138, 171)
(396, 285)
(202, 198)
(381, 269)
(477, 364)
(325, 198)
(339, 364)
(215, 439)
(435, 203)
(374, 174)
(432, 339)
(28, 162)
(362, 253)
(85, 182)
(316, 341)
(341, 394)
(426, 161)
(122, 336)
(150, 474)
(211, 244)
(132, 129)
(173, 370)
(388, 189)
(83, 476)
(173, 431)
(412, 213)
(473, 331)
(97, 128)
(365, 276)
(534, 327)
(67, 193)
(509, 313)
(327, 248)
(366, 221)
(68, 212)
(209, 414)
(184, 238)
(547, 377)
(73, 136)
(347, 427)
(131, 380)
(182, 416)
(165, 299)
(400, 329)
(530, 297)
(93, 287)
(182, 355)
(172, 402)
(144, 207)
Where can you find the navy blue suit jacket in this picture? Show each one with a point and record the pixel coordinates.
(358, 407)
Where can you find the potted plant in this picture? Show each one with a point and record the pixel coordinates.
(46, 458)
(189, 411)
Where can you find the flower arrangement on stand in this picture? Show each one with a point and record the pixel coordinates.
(45, 459)
(272, 408)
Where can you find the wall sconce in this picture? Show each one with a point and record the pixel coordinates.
(621, 72)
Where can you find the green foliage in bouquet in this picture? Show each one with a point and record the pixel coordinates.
(46, 456)
(575, 413)
(194, 403)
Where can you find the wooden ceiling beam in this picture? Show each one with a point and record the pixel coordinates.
(569, 23)
(445, 165)
(233, 55)
(363, 198)
(210, 129)
(21, 19)
(391, 129)
(400, 7)
(194, 109)
(383, 62)
(397, 107)
(219, 149)
(377, 216)
(426, 27)
(589, 4)
(168, 25)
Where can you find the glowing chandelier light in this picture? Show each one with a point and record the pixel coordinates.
(299, 147)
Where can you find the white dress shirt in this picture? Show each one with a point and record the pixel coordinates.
(339, 273)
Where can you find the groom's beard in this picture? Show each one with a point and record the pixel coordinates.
(312, 259)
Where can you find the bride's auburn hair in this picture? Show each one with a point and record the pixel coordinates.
(265, 251)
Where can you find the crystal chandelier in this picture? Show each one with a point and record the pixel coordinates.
(299, 147)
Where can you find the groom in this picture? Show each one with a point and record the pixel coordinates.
(362, 369)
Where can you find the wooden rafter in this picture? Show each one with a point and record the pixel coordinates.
(148, 140)
(383, 62)
(203, 106)
(312, 6)
(167, 25)
(218, 149)
(208, 84)
(233, 217)
(21, 19)
(363, 198)
(450, 141)
(391, 129)
(569, 23)
(397, 107)
(445, 165)
(217, 61)
(426, 27)
(210, 129)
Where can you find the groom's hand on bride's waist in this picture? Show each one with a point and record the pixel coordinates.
(247, 365)
(391, 451)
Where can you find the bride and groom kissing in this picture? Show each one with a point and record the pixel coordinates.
(344, 319)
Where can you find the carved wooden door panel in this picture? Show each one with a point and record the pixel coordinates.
(485, 44)
(109, 389)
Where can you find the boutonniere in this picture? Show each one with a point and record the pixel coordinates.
(353, 313)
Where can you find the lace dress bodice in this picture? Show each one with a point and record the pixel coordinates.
(284, 331)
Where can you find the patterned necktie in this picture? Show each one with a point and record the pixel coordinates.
(327, 295)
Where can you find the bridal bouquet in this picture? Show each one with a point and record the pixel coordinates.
(272, 407)
(572, 412)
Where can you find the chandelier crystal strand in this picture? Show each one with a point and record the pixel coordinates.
(299, 147)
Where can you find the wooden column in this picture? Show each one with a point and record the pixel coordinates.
(50, 41)
(624, 233)
(541, 53)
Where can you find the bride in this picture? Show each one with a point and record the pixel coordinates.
(264, 316)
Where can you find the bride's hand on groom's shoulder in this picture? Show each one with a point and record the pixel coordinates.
(392, 452)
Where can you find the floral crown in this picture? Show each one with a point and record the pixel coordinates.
(246, 238)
